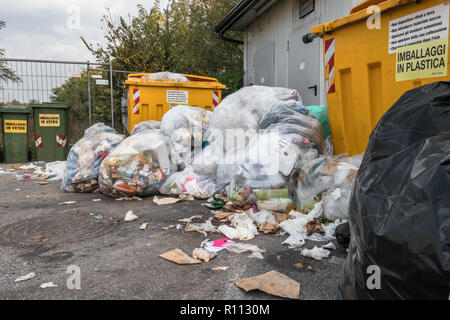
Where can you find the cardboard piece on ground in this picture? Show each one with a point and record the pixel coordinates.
(273, 283)
(164, 201)
(220, 215)
(179, 257)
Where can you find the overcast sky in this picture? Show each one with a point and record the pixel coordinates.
(50, 29)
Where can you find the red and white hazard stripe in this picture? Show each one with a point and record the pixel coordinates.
(136, 101)
(330, 49)
(61, 140)
(38, 142)
(215, 99)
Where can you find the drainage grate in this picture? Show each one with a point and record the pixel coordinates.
(58, 229)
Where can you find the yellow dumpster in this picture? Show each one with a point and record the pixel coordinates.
(150, 99)
(376, 54)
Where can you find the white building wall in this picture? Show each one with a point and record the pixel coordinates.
(275, 55)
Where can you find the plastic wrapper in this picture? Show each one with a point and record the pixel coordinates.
(98, 128)
(146, 125)
(84, 159)
(137, 167)
(321, 114)
(292, 120)
(400, 208)
(188, 182)
(185, 127)
(166, 76)
(245, 108)
(329, 179)
(260, 176)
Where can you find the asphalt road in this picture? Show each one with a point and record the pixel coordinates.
(119, 261)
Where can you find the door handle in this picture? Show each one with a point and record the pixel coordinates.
(315, 89)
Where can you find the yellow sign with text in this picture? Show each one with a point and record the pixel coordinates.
(420, 61)
(49, 120)
(15, 126)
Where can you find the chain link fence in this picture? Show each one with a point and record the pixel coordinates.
(93, 91)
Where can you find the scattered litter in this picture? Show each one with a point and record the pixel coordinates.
(218, 245)
(186, 220)
(42, 183)
(330, 245)
(202, 228)
(273, 283)
(43, 239)
(314, 227)
(16, 189)
(96, 200)
(179, 257)
(316, 253)
(217, 203)
(66, 203)
(48, 285)
(130, 216)
(244, 228)
(245, 247)
(220, 269)
(202, 254)
(143, 226)
(299, 265)
(165, 201)
(26, 177)
(24, 167)
(129, 199)
(29, 276)
(220, 215)
(3, 172)
(98, 217)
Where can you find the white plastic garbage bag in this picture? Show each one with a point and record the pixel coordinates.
(245, 108)
(166, 76)
(137, 167)
(188, 182)
(85, 157)
(185, 127)
(146, 125)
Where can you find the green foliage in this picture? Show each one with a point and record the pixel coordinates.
(179, 38)
(74, 92)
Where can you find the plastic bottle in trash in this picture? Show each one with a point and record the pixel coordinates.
(39, 163)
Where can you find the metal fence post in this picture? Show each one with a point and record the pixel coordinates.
(89, 92)
(111, 86)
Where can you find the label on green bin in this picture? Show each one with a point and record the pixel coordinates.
(15, 126)
(49, 120)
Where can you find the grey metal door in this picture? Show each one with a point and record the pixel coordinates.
(264, 66)
(304, 59)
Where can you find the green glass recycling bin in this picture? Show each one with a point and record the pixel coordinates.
(50, 131)
(15, 133)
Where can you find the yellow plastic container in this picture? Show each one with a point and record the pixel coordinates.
(366, 73)
(151, 99)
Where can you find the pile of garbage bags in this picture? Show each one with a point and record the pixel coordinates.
(400, 208)
(260, 147)
(85, 157)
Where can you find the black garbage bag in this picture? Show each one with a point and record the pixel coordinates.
(400, 207)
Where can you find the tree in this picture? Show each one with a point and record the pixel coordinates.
(179, 38)
(6, 73)
(75, 93)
